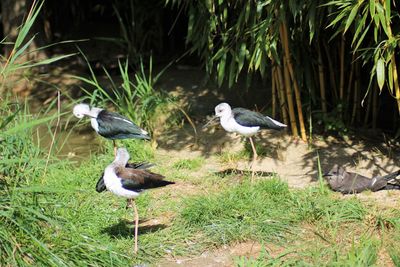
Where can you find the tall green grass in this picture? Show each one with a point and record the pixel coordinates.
(136, 98)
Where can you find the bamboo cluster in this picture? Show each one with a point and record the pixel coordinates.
(285, 85)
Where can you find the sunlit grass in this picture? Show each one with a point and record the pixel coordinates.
(189, 164)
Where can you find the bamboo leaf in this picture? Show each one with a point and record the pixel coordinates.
(221, 70)
(380, 73)
(362, 37)
(387, 11)
(390, 76)
(382, 19)
(242, 55)
(232, 73)
(351, 17)
(372, 8)
(360, 26)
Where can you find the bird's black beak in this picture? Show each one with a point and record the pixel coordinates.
(210, 122)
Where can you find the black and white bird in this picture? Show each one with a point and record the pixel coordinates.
(109, 124)
(244, 122)
(129, 181)
(349, 182)
(101, 186)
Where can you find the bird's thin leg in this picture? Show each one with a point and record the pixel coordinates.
(254, 149)
(254, 158)
(115, 149)
(136, 226)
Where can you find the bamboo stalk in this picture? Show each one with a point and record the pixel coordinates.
(281, 94)
(288, 87)
(375, 106)
(341, 81)
(368, 111)
(289, 66)
(289, 97)
(321, 80)
(350, 83)
(396, 81)
(356, 93)
(331, 71)
(273, 89)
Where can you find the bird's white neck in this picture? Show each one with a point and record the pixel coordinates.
(120, 161)
(93, 112)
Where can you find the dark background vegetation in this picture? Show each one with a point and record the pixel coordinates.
(312, 59)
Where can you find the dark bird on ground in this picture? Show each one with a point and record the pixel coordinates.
(244, 122)
(109, 124)
(349, 183)
(128, 182)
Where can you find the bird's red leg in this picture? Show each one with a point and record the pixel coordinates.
(254, 149)
(254, 157)
(115, 149)
(136, 226)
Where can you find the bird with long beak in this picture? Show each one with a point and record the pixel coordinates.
(109, 124)
(128, 182)
(244, 122)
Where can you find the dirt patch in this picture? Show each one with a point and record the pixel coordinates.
(291, 159)
(222, 257)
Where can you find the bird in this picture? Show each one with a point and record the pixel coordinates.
(109, 124)
(348, 182)
(126, 181)
(244, 122)
(101, 186)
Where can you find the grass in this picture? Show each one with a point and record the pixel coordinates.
(189, 164)
(50, 214)
(136, 97)
(57, 218)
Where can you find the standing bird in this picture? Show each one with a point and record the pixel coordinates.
(101, 186)
(244, 122)
(130, 182)
(109, 124)
(349, 182)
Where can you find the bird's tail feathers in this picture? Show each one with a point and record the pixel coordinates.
(392, 175)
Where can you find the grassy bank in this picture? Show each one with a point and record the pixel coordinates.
(54, 217)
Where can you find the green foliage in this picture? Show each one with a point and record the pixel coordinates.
(136, 99)
(371, 25)
(189, 164)
(265, 212)
(19, 156)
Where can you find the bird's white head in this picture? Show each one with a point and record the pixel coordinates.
(81, 110)
(222, 110)
(122, 156)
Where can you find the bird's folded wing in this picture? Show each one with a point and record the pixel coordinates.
(135, 179)
(111, 123)
(250, 118)
(101, 186)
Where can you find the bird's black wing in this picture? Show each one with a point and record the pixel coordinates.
(250, 118)
(101, 186)
(390, 176)
(115, 126)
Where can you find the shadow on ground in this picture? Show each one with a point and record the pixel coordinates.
(126, 228)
